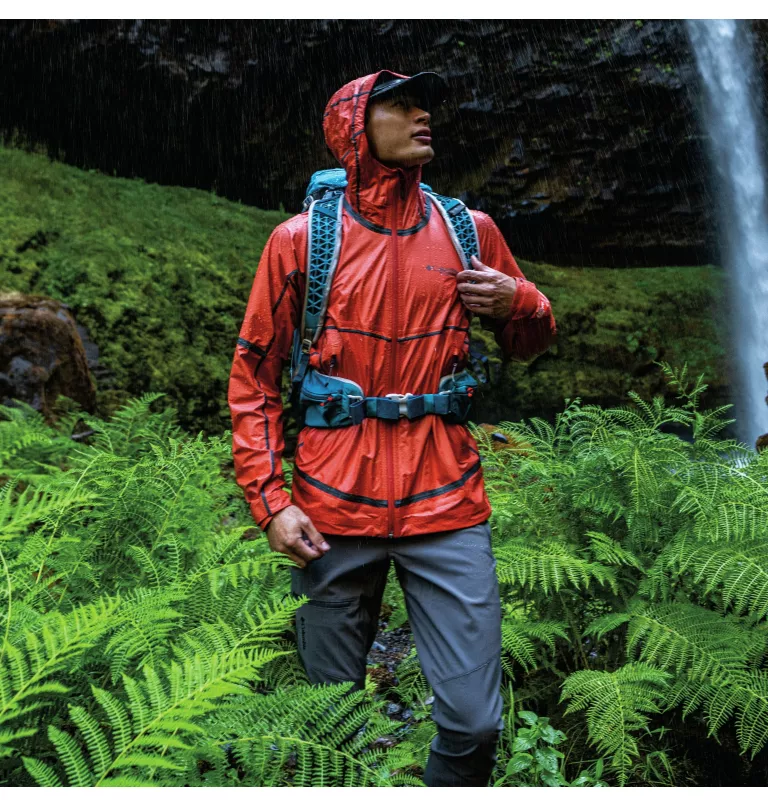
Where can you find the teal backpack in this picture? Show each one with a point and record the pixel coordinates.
(325, 401)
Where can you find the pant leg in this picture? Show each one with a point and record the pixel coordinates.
(452, 597)
(336, 628)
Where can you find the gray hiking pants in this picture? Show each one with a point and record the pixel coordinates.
(452, 597)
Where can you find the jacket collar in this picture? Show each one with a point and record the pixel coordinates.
(372, 188)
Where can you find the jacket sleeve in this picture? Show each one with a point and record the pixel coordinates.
(529, 328)
(263, 346)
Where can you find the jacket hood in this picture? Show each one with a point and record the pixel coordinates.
(371, 185)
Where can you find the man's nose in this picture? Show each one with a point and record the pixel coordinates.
(422, 116)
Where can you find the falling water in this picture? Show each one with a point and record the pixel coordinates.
(733, 123)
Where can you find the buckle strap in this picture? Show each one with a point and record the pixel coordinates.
(412, 406)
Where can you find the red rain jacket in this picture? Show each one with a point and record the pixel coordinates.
(395, 323)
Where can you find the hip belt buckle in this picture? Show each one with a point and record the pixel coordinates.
(400, 398)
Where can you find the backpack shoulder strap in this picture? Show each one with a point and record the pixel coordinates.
(461, 226)
(323, 247)
(463, 232)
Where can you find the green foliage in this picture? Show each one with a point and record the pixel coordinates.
(528, 754)
(412, 687)
(324, 732)
(640, 558)
(159, 275)
(142, 640)
(617, 704)
(524, 640)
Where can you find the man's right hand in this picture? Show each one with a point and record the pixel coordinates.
(285, 532)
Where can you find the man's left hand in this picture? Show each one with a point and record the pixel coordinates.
(490, 294)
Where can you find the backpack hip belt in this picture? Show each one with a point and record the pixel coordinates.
(327, 401)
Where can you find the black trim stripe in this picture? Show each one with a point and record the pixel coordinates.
(382, 502)
(361, 332)
(387, 230)
(432, 333)
(348, 98)
(254, 348)
(440, 490)
(400, 338)
(260, 351)
(283, 289)
(358, 499)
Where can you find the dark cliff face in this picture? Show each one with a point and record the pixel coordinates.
(580, 137)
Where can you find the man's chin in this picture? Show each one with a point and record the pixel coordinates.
(421, 156)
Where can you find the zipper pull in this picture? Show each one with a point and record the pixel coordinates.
(332, 364)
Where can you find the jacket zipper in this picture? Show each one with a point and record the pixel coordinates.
(391, 427)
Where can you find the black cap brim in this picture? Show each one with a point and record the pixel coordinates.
(431, 88)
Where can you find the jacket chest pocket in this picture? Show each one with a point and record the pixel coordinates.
(428, 290)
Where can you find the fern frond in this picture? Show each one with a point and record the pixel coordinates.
(550, 566)
(611, 552)
(617, 705)
(606, 623)
(743, 693)
(42, 774)
(322, 730)
(165, 712)
(738, 572)
(692, 640)
(412, 685)
(142, 629)
(19, 510)
(519, 637)
(26, 670)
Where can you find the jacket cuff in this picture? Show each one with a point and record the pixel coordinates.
(526, 300)
(264, 510)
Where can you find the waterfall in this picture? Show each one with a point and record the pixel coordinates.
(732, 123)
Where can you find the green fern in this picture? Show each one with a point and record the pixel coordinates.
(522, 638)
(310, 736)
(691, 640)
(737, 572)
(549, 567)
(28, 668)
(618, 704)
(152, 727)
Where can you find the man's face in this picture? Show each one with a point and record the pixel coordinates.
(398, 130)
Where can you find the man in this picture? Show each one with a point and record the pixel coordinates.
(409, 490)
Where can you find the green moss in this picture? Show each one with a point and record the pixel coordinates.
(159, 275)
(612, 325)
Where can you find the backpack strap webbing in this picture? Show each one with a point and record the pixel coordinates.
(323, 248)
(461, 226)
